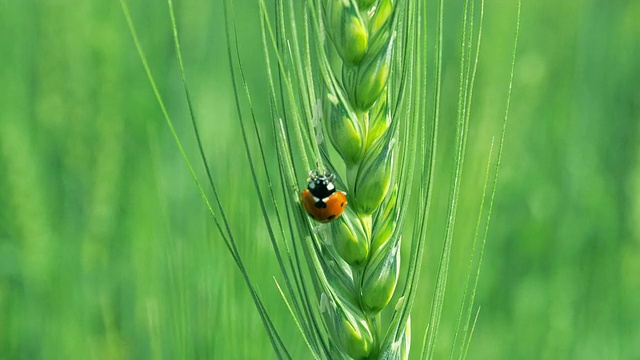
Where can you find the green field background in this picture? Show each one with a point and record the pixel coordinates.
(107, 250)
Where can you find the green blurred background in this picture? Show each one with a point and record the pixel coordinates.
(107, 251)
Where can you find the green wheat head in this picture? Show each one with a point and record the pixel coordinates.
(348, 94)
(359, 253)
(354, 261)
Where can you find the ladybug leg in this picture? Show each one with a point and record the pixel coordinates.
(316, 229)
(323, 233)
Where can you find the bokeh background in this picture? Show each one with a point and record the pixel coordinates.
(107, 251)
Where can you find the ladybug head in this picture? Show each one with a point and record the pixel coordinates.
(321, 185)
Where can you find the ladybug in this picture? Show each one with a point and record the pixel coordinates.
(321, 199)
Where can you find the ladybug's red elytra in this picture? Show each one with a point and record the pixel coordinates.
(321, 199)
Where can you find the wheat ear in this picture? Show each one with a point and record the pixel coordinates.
(360, 252)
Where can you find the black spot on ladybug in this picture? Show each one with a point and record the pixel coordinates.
(331, 217)
(320, 205)
(342, 205)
